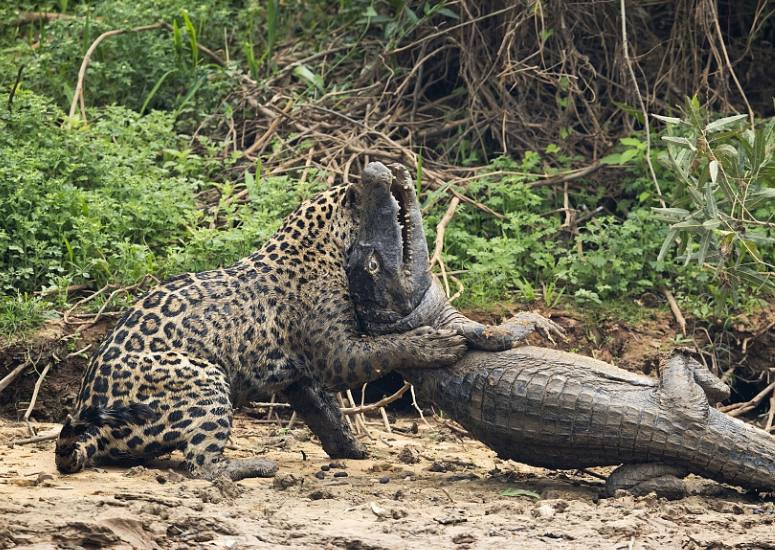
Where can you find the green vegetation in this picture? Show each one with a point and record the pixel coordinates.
(155, 182)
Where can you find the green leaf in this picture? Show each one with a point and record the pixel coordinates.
(668, 242)
(768, 193)
(667, 119)
(155, 89)
(304, 73)
(627, 155)
(631, 142)
(250, 184)
(704, 245)
(446, 12)
(613, 158)
(680, 141)
(514, 492)
(713, 167)
(717, 125)
(671, 214)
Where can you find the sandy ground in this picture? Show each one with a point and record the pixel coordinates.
(432, 489)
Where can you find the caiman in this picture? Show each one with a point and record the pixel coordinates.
(554, 409)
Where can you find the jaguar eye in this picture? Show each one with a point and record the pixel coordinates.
(373, 265)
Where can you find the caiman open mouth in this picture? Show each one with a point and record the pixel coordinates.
(403, 195)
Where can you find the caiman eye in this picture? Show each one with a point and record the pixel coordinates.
(373, 265)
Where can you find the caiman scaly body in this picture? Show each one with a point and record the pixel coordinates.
(561, 410)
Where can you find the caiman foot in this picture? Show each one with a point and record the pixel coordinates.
(715, 389)
(508, 334)
(641, 479)
(525, 322)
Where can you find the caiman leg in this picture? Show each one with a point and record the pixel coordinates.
(641, 479)
(679, 382)
(488, 338)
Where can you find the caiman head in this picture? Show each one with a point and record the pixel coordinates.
(387, 267)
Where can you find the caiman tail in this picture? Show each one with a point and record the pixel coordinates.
(560, 410)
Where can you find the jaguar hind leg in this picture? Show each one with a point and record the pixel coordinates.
(200, 425)
(175, 403)
(205, 442)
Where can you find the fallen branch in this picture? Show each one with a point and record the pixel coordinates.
(676, 310)
(45, 436)
(440, 229)
(741, 408)
(35, 392)
(379, 404)
(260, 142)
(78, 95)
(11, 376)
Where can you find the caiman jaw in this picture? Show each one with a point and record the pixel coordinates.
(404, 196)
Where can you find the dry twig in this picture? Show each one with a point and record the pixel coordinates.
(78, 95)
(378, 404)
(34, 397)
(676, 310)
(440, 229)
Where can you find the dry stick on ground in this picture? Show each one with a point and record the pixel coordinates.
(261, 141)
(642, 104)
(737, 409)
(378, 404)
(343, 409)
(676, 310)
(360, 420)
(460, 288)
(11, 376)
(78, 95)
(272, 400)
(34, 397)
(416, 406)
(83, 301)
(385, 420)
(771, 415)
(257, 404)
(292, 421)
(441, 227)
(46, 436)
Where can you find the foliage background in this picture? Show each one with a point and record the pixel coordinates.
(198, 138)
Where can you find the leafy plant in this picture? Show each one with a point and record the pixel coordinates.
(20, 313)
(722, 213)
